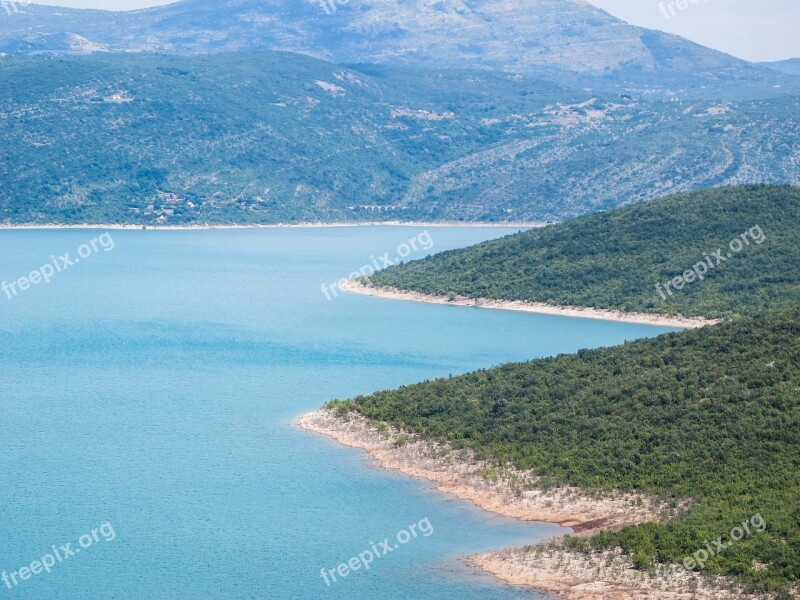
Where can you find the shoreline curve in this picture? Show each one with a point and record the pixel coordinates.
(541, 308)
(310, 225)
(572, 575)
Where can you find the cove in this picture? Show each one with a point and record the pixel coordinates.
(154, 388)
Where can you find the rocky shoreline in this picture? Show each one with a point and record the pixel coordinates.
(532, 307)
(573, 575)
(599, 576)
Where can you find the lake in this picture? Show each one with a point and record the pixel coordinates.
(149, 394)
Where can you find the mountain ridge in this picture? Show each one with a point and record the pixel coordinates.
(258, 138)
(568, 41)
(790, 66)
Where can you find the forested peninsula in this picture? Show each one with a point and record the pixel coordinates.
(735, 250)
(691, 439)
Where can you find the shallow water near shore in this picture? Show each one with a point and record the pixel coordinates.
(155, 386)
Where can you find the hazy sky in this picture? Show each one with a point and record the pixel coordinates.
(751, 29)
(755, 30)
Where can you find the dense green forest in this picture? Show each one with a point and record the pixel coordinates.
(280, 138)
(742, 241)
(708, 419)
(709, 415)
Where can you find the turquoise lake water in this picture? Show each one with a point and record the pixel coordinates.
(154, 388)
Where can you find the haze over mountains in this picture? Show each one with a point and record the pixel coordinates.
(567, 41)
(490, 110)
(790, 66)
(275, 137)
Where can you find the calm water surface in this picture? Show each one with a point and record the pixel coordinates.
(154, 387)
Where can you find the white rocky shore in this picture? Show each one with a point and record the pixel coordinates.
(573, 575)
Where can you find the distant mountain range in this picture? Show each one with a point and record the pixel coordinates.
(790, 66)
(477, 110)
(277, 137)
(567, 41)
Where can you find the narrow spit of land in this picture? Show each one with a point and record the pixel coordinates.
(541, 308)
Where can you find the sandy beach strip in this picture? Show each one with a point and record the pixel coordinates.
(533, 307)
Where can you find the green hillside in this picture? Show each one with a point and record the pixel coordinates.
(739, 246)
(710, 415)
(276, 137)
(708, 418)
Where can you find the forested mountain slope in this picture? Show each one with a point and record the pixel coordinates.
(710, 416)
(706, 420)
(741, 244)
(790, 66)
(275, 137)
